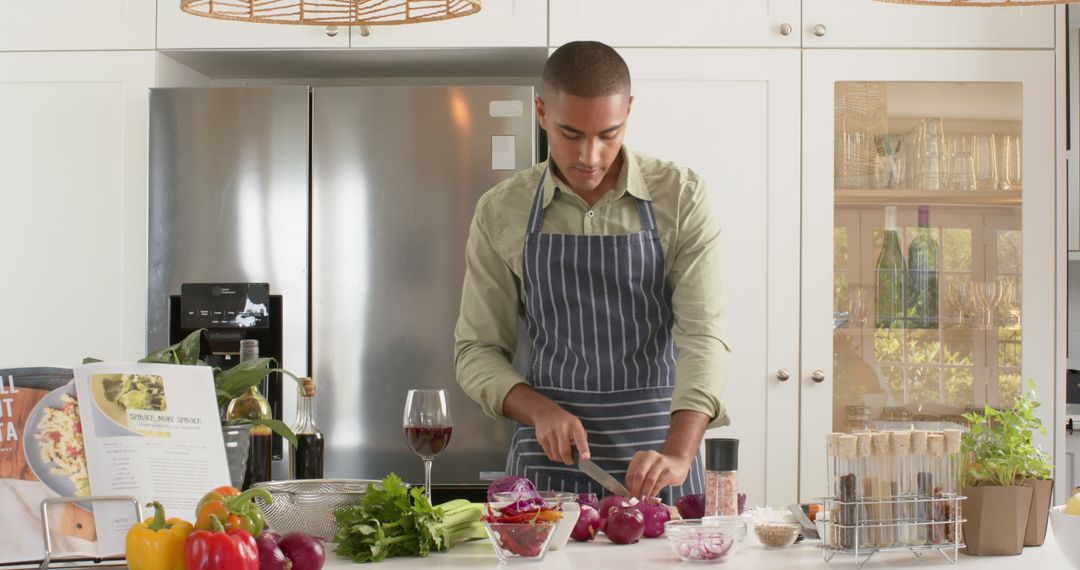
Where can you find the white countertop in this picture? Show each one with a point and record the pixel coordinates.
(650, 554)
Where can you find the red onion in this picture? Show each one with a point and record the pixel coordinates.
(589, 499)
(588, 524)
(656, 514)
(305, 552)
(612, 501)
(625, 525)
(691, 506)
(517, 488)
(270, 555)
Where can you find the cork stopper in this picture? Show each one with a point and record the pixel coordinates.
(863, 444)
(847, 446)
(832, 442)
(901, 442)
(307, 386)
(952, 441)
(918, 442)
(880, 441)
(935, 444)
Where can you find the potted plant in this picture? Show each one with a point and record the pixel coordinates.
(1036, 471)
(1001, 456)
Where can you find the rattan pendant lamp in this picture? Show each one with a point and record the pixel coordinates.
(332, 12)
(980, 3)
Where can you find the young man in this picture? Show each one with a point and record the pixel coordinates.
(612, 259)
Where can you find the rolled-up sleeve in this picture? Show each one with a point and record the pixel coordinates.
(700, 330)
(486, 332)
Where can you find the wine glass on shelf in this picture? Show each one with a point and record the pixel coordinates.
(988, 296)
(427, 427)
(959, 293)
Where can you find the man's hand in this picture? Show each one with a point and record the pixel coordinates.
(650, 472)
(557, 430)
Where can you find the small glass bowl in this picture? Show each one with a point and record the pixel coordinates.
(714, 540)
(777, 534)
(520, 541)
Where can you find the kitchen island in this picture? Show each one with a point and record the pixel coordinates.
(651, 554)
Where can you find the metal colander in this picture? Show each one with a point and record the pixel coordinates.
(309, 505)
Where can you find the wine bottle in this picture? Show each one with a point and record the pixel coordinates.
(306, 459)
(890, 276)
(252, 405)
(923, 271)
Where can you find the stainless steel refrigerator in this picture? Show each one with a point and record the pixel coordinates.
(354, 204)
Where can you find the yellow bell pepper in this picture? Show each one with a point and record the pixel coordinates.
(156, 543)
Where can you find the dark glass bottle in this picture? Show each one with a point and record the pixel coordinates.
(923, 271)
(890, 276)
(252, 405)
(306, 459)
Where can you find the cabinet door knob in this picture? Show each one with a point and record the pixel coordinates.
(783, 374)
(331, 31)
(785, 29)
(817, 376)
(819, 30)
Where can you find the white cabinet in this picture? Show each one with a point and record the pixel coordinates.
(676, 23)
(732, 116)
(501, 23)
(73, 168)
(873, 361)
(865, 23)
(77, 25)
(177, 29)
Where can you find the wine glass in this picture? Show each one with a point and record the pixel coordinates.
(959, 293)
(988, 296)
(427, 427)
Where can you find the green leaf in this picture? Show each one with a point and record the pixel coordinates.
(90, 360)
(187, 351)
(236, 380)
(278, 427)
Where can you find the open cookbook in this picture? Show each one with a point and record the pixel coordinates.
(149, 431)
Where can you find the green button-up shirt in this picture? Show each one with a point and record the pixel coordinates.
(492, 298)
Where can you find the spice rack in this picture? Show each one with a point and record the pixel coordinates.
(899, 524)
(895, 491)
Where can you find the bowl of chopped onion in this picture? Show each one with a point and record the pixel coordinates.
(714, 540)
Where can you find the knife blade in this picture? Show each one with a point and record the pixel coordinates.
(600, 476)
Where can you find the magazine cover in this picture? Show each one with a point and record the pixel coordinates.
(42, 455)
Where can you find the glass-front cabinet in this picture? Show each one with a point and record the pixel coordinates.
(928, 239)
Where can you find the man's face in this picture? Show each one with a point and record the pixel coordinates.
(584, 136)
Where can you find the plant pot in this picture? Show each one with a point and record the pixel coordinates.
(996, 519)
(237, 443)
(1041, 498)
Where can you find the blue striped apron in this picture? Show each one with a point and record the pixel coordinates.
(598, 312)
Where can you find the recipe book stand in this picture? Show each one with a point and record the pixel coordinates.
(48, 560)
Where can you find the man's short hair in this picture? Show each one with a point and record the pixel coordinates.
(585, 69)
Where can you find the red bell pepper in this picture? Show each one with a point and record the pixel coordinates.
(221, 549)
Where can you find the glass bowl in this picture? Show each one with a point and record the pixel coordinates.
(714, 540)
(777, 534)
(520, 541)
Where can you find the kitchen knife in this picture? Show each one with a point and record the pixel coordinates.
(600, 476)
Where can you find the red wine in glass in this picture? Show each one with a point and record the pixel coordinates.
(428, 441)
(427, 427)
